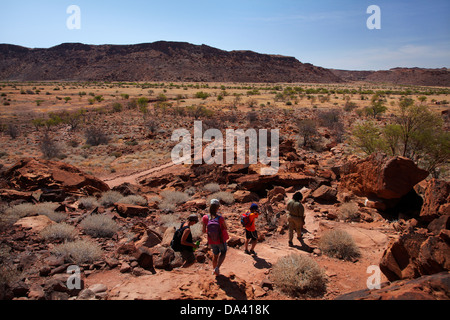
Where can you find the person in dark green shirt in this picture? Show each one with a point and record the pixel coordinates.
(296, 217)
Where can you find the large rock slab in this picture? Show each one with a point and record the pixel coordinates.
(381, 176)
(32, 174)
(34, 223)
(436, 200)
(416, 253)
(431, 287)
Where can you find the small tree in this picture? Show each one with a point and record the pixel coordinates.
(73, 118)
(366, 136)
(117, 107)
(37, 123)
(202, 95)
(95, 136)
(50, 149)
(415, 121)
(12, 131)
(142, 103)
(376, 107)
(308, 131)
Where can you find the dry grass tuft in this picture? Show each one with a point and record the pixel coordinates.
(298, 275)
(339, 244)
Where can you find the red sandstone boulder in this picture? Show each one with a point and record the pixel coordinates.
(244, 196)
(416, 253)
(130, 210)
(382, 176)
(325, 194)
(256, 182)
(436, 200)
(32, 174)
(430, 287)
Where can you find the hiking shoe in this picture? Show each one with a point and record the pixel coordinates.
(291, 244)
(246, 251)
(216, 271)
(253, 252)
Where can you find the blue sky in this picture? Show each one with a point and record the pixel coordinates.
(327, 33)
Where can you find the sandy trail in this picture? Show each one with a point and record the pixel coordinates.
(135, 177)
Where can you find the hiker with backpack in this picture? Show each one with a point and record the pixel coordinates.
(182, 241)
(248, 222)
(296, 217)
(216, 228)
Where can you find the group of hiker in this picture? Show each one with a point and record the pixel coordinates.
(214, 225)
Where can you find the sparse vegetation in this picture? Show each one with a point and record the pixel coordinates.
(222, 196)
(415, 132)
(308, 131)
(339, 244)
(95, 136)
(349, 211)
(110, 197)
(297, 275)
(134, 199)
(79, 251)
(170, 199)
(212, 187)
(49, 147)
(88, 202)
(59, 231)
(99, 225)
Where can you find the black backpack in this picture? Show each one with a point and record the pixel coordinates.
(176, 240)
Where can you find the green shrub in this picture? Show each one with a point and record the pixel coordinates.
(339, 244)
(298, 274)
(79, 251)
(202, 95)
(117, 107)
(99, 225)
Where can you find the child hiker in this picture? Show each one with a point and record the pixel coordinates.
(214, 224)
(248, 221)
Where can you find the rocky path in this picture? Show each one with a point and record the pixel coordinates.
(134, 177)
(243, 276)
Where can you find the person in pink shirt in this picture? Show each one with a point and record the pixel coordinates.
(216, 228)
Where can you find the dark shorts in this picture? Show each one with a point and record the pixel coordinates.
(218, 248)
(251, 234)
(188, 256)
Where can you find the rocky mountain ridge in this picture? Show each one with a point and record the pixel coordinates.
(182, 61)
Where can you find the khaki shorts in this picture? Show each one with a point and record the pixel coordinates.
(295, 223)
